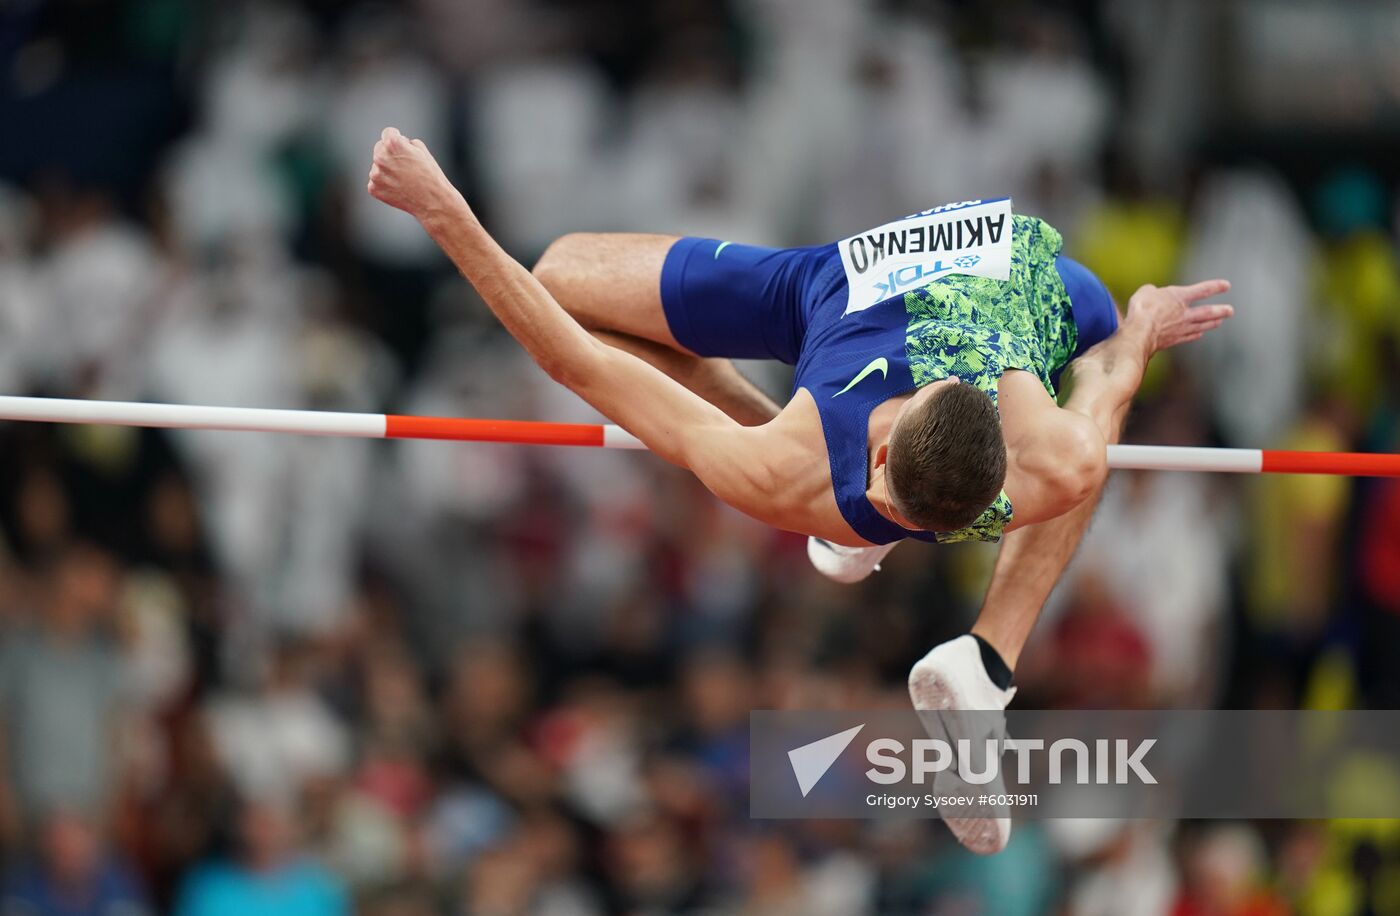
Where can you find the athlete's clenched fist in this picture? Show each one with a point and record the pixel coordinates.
(405, 175)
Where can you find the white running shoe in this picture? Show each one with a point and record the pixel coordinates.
(846, 565)
(952, 680)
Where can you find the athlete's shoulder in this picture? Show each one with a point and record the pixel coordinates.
(796, 430)
(1058, 458)
(791, 449)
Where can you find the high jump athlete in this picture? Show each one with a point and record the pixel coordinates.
(927, 353)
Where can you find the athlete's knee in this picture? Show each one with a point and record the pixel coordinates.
(549, 263)
(563, 270)
(558, 271)
(561, 259)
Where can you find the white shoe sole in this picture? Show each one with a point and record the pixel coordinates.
(931, 691)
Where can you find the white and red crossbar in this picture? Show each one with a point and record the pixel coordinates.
(599, 435)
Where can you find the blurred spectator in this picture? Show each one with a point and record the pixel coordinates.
(1019, 880)
(269, 875)
(539, 121)
(63, 695)
(1169, 590)
(355, 834)
(1360, 289)
(782, 883)
(273, 740)
(100, 276)
(189, 819)
(1248, 228)
(1223, 872)
(652, 868)
(383, 80)
(1134, 236)
(1097, 657)
(22, 301)
(1120, 869)
(1297, 526)
(227, 340)
(72, 875)
(716, 687)
(260, 94)
(532, 872)
(677, 159)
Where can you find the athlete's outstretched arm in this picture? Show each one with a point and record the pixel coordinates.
(1104, 381)
(673, 422)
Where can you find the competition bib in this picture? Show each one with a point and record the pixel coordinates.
(972, 237)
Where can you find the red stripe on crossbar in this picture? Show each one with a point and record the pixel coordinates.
(523, 432)
(1350, 463)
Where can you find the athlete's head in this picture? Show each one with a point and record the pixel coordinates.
(946, 461)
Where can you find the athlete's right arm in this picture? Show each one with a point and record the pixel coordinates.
(733, 461)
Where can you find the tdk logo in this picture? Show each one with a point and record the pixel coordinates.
(897, 281)
(1064, 760)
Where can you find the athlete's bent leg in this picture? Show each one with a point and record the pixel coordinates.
(611, 284)
(610, 281)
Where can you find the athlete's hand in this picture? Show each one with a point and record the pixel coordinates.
(1168, 315)
(405, 175)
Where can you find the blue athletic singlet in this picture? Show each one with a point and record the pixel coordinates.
(855, 349)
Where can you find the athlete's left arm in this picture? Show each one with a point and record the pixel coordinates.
(1061, 455)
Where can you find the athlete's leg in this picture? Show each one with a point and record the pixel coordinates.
(714, 378)
(611, 283)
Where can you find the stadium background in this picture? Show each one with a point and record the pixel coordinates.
(242, 673)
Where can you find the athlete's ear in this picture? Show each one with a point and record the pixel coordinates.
(882, 454)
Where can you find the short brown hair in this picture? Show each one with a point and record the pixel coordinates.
(947, 459)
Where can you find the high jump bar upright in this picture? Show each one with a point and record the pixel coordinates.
(599, 435)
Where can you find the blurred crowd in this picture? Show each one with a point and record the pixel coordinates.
(254, 674)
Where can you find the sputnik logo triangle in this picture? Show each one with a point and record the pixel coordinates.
(811, 761)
